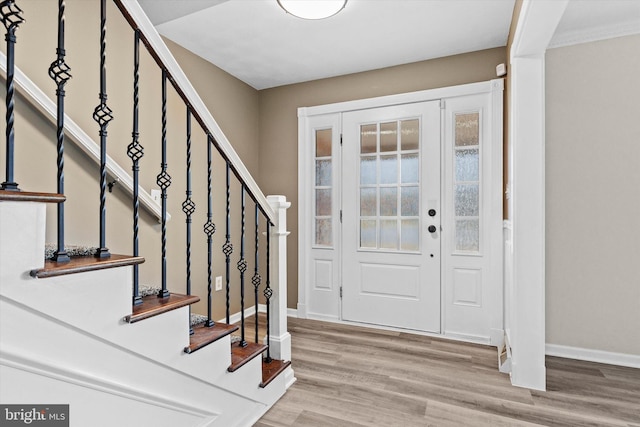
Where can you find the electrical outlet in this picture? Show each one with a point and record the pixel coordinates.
(218, 283)
(156, 195)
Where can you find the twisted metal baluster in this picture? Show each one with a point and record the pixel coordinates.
(227, 248)
(268, 293)
(59, 72)
(189, 207)
(103, 115)
(164, 181)
(256, 279)
(209, 229)
(242, 266)
(11, 19)
(135, 151)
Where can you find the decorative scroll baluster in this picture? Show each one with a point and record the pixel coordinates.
(135, 151)
(188, 207)
(227, 248)
(11, 19)
(103, 115)
(242, 266)
(59, 72)
(256, 279)
(209, 229)
(164, 181)
(268, 293)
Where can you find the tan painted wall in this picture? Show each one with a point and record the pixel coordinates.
(592, 203)
(233, 103)
(279, 123)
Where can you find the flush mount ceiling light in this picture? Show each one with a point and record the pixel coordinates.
(312, 9)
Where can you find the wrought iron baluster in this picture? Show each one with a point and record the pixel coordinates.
(135, 151)
(227, 248)
(59, 72)
(268, 293)
(103, 115)
(188, 207)
(11, 17)
(242, 266)
(164, 181)
(209, 229)
(256, 279)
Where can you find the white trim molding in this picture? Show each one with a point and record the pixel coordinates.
(570, 38)
(590, 355)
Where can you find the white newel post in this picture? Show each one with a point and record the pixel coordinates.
(280, 338)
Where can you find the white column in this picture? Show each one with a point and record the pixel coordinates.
(536, 25)
(280, 338)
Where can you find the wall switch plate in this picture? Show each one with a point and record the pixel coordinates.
(156, 195)
(218, 283)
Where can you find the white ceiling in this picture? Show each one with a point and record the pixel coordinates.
(257, 42)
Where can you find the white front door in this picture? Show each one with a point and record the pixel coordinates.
(391, 216)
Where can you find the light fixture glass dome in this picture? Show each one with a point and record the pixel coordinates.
(312, 9)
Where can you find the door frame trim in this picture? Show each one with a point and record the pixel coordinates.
(305, 208)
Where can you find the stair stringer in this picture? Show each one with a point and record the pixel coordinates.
(83, 313)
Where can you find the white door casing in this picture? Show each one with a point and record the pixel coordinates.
(391, 179)
(317, 299)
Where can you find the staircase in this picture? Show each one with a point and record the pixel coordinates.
(77, 330)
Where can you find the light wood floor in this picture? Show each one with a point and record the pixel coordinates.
(350, 376)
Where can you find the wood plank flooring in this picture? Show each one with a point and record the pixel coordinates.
(353, 377)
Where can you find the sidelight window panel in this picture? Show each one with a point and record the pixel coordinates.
(323, 192)
(466, 185)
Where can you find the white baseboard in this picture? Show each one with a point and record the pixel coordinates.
(292, 312)
(589, 355)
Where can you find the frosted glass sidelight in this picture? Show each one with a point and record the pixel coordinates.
(410, 235)
(368, 234)
(467, 129)
(468, 235)
(368, 170)
(467, 165)
(409, 168)
(467, 202)
(323, 173)
(368, 139)
(323, 143)
(368, 202)
(409, 134)
(323, 202)
(389, 136)
(388, 169)
(388, 201)
(388, 234)
(323, 232)
(409, 201)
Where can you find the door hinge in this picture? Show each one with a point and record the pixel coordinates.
(340, 291)
(340, 139)
(340, 216)
(442, 104)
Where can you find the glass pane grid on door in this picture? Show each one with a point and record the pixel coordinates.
(323, 188)
(390, 186)
(466, 182)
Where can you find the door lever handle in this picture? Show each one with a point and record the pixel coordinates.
(432, 229)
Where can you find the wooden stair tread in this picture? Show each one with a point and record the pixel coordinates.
(83, 264)
(153, 306)
(205, 335)
(270, 370)
(242, 355)
(27, 196)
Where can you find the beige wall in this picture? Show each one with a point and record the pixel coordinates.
(592, 196)
(279, 123)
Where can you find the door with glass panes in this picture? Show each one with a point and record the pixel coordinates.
(391, 216)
